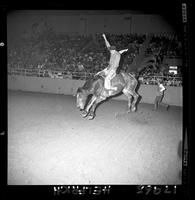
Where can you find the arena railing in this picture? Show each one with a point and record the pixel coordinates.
(64, 74)
(57, 73)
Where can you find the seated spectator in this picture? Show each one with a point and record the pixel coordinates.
(63, 52)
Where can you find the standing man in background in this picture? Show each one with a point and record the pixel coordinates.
(159, 96)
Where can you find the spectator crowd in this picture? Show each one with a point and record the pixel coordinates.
(69, 54)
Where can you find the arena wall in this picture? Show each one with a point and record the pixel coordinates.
(173, 95)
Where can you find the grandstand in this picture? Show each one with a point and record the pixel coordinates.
(43, 48)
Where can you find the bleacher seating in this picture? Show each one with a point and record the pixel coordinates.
(70, 55)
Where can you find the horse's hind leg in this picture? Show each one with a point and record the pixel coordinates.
(135, 98)
(130, 90)
(129, 96)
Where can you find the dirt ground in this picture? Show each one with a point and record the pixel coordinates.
(50, 143)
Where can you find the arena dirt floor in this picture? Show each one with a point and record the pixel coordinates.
(49, 143)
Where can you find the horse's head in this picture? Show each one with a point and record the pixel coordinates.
(81, 98)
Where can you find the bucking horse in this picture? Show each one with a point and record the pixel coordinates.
(93, 92)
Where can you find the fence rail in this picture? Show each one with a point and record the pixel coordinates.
(63, 74)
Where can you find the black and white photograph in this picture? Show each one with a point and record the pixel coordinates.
(95, 97)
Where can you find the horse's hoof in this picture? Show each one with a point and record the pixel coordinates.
(90, 117)
(128, 111)
(84, 114)
(133, 109)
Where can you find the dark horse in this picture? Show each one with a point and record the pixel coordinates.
(125, 82)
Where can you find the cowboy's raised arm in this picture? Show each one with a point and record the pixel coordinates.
(124, 50)
(106, 41)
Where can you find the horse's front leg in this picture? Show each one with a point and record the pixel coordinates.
(91, 114)
(86, 111)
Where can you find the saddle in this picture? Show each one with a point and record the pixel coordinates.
(106, 92)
